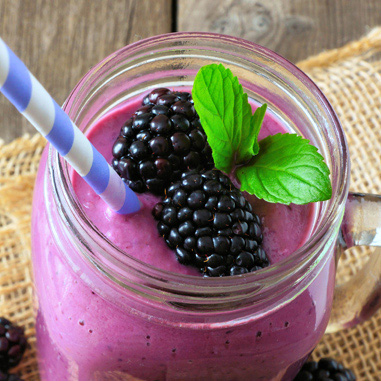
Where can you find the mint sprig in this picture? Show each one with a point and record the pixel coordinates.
(282, 168)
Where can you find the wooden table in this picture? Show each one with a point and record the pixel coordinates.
(60, 40)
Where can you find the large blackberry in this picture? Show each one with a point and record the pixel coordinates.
(9, 377)
(163, 139)
(326, 369)
(12, 344)
(210, 225)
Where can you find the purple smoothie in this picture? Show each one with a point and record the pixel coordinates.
(81, 335)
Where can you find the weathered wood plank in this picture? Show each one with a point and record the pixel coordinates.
(295, 29)
(60, 40)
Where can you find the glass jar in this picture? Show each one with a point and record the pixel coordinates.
(103, 315)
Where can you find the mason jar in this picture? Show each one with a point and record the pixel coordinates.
(103, 315)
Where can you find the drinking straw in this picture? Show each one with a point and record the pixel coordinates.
(31, 99)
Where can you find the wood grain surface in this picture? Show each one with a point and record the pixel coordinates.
(59, 40)
(295, 29)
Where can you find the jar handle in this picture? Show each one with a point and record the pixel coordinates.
(360, 297)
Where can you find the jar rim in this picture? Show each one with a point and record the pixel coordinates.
(295, 265)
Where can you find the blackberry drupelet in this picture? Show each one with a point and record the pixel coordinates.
(12, 344)
(162, 140)
(210, 225)
(9, 377)
(326, 369)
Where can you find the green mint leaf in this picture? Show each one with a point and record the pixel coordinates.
(287, 170)
(226, 116)
(249, 139)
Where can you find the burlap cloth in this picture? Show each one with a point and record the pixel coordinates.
(351, 79)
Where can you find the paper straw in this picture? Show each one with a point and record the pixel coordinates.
(33, 101)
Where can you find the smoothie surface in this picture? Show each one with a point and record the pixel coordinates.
(285, 228)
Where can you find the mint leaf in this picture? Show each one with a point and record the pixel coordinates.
(287, 170)
(226, 116)
(249, 138)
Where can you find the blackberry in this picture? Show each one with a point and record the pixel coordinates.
(12, 344)
(327, 369)
(9, 377)
(162, 140)
(210, 225)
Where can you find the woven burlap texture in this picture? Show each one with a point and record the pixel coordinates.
(351, 79)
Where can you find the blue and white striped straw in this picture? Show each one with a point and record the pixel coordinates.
(33, 101)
